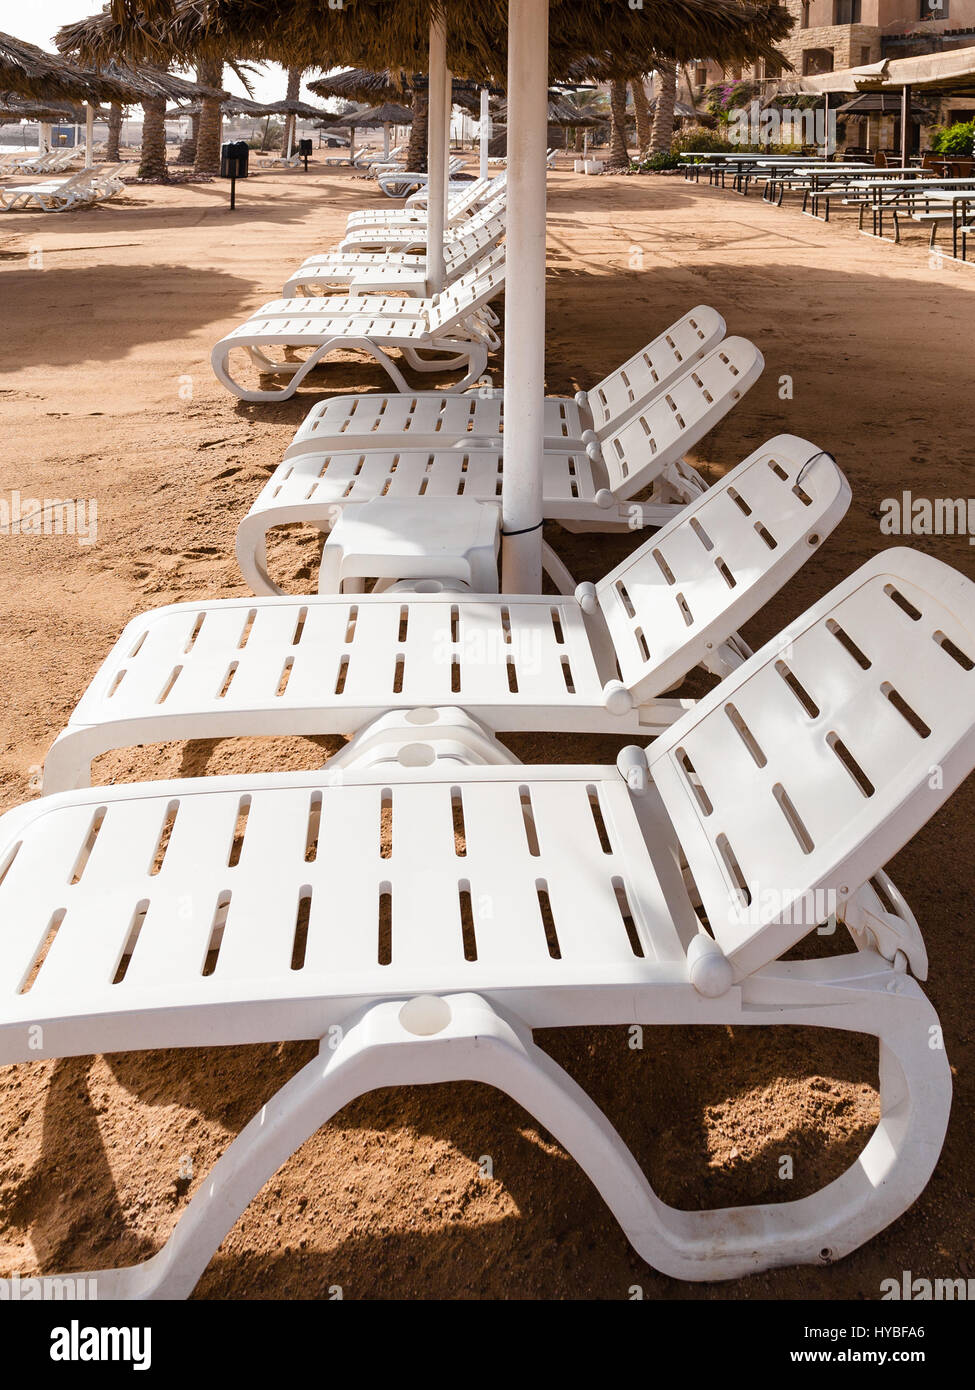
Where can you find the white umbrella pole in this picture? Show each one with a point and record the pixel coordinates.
(436, 154)
(485, 132)
(524, 304)
(44, 137)
(89, 132)
(385, 139)
(291, 127)
(448, 88)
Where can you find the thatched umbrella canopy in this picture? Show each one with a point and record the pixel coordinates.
(390, 113)
(14, 107)
(389, 34)
(302, 109)
(99, 39)
(365, 84)
(32, 72)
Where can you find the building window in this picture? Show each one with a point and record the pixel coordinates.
(934, 9)
(804, 17)
(816, 61)
(848, 12)
(864, 55)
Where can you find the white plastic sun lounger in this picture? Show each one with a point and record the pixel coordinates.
(585, 487)
(453, 327)
(433, 419)
(397, 183)
(459, 205)
(59, 195)
(598, 660)
(401, 229)
(396, 273)
(661, 891)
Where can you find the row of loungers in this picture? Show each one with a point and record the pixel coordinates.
(425, 901)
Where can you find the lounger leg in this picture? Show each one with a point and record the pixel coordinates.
(462, 1038)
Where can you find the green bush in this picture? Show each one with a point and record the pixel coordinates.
(955, 141)
(666, 159)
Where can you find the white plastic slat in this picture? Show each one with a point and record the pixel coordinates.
(650, 369)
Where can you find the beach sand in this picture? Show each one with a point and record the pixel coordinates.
(109, 317)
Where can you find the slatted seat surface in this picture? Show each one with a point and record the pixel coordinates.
(813, 763)
(340, 660)
(241, 909)
(719, 559)
(431, 417)
(315, 479)
(309, 330)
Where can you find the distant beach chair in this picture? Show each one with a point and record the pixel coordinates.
(450, 326)
(82, 189)
(397, 183)
(393, 273)
(348, 905)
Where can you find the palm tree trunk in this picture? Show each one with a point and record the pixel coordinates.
(663, 114)
(416, 155)
(641, 109)
(207, 160)
(618, 157)
(292, 94)
(153, 163)
(114, 132)
(187, 150)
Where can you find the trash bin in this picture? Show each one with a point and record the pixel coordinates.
(305, 148)
(233, 159)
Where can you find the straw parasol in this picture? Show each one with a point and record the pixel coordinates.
(14, 107)
(101, 40)
(388, 34)
(389, 114)
(31, 72)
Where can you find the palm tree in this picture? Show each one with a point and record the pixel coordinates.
(153, 163)
(663, 112)
(416, 155)
(292, 94)
(114, 132)
(187, 150)
(618, 157)
(207, 159)
(641, 110)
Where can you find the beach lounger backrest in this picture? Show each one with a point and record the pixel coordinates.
(461, 254)
(669, 354)
(850, 730)
(672, 602)
(637, 451)
(469, 292)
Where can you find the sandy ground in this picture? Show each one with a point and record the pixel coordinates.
(109, 316)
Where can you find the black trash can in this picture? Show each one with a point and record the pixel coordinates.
(305, 148)
(233, 159)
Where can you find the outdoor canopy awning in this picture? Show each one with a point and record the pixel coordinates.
(950, 71)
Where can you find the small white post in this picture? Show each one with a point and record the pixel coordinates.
(89, 132)
(485, 132)
(436, 153)
(524, 311)
(385, 139)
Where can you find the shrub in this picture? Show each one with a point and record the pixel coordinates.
(666, 159)
(955, 141)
